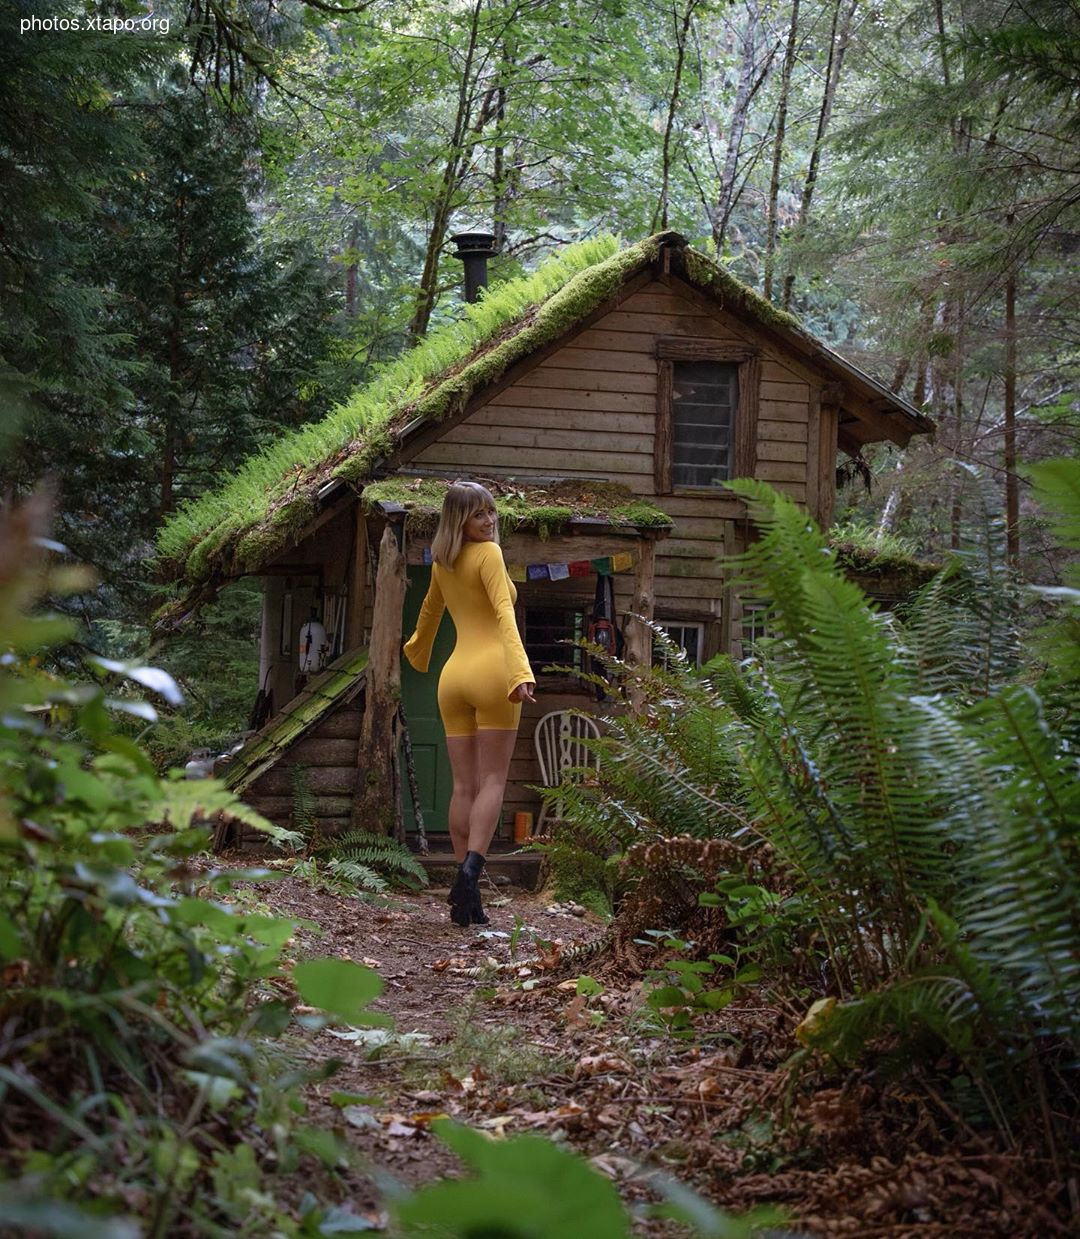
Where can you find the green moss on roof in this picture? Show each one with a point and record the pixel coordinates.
(332, 687)
(232, 525)
(858, 558)
(261, 509)
(522, 505)
(729, 291)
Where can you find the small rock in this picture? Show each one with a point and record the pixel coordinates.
(578, 909)
(500, 879)
(553, 909)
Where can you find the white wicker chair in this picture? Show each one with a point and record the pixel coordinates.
(560, 745)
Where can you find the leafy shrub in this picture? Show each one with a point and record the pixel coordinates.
(135, 1069)
(921, 807)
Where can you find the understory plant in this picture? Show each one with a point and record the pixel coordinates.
(913, 798)
(352, 859)
(140, 1075)
(369, 861)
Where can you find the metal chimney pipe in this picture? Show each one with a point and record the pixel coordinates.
(474, 249)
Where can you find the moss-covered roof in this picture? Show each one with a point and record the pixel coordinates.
(521, 505)
(337, 685)
(895, 568)
(243, 524)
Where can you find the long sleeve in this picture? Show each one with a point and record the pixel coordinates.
(497, 584)
(418, 646)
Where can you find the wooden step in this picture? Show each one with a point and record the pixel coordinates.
(519, 868)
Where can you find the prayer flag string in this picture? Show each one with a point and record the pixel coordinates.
(605, 565)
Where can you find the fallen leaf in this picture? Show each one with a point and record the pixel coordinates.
(574, 1014)
(594, 1064)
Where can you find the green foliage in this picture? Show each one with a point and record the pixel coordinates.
(681, 987)
(522, 1187)
(137, 1059)
(372, 861)
(578, 868)
(923, 828)
(191, 340)
(529, 1188)
(340, 987)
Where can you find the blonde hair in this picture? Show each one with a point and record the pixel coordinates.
(463, 499)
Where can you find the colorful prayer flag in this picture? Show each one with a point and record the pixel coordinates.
(580, 567)
(602, 565)
(622, 561)
(517, 572)
(538, 572)
(558, 572)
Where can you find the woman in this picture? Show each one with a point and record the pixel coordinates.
(484, 682)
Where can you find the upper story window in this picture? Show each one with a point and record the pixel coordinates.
(704, 397)
(706, 413)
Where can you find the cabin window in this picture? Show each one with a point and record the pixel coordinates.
(704, 396)
(688, 637)
(706, 414)
(755, 622)
(549, 636)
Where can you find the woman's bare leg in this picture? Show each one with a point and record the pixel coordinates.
(462, 751)
(494, 748)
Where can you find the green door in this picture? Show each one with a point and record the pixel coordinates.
(418, 691)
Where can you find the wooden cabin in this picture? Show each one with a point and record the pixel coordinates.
(606, 413)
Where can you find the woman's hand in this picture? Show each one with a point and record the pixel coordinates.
(524, 692)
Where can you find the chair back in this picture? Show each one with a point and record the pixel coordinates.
(560, 745)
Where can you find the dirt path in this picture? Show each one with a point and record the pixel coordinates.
(517, 1049)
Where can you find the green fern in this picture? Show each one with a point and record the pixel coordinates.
(363, 877)
(922, 807)
(377, 855)
(303, 802)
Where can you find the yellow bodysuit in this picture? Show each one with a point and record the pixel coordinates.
(488, 661)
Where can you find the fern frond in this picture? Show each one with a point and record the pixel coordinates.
(361, 876)
(378, 853)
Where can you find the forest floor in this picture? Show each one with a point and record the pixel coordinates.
(516, 1049)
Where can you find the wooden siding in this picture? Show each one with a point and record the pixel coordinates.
(589, 410)
(328, 753)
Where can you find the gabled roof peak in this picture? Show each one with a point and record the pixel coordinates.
(264, 506)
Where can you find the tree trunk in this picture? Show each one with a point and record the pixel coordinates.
(838, 39)
(682, 30)
(351, 270)
(1012, 496)
(176, 319)
(956, 515)
(444, 201)
(725, 199)
(778, 148)
(377, 801)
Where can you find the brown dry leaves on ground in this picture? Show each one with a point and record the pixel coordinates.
(519, 1050)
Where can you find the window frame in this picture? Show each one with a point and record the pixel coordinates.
(555, 678)
(747, 360)
(697, 624)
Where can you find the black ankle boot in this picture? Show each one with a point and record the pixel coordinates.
(465, 894)
(476, 910)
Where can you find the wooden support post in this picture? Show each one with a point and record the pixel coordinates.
(357, 582)
(828, 446)
(639, 637)
(377, 802)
